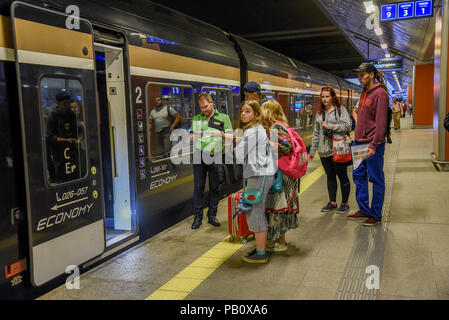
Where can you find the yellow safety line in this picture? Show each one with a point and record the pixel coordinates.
(194, 274)
(310, 179)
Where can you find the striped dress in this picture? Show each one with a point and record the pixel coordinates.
(282, 208)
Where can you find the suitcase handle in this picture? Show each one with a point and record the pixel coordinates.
(234, 220)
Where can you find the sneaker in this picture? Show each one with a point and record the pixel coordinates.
(253, 257)
(357, 215)
(370, 222)
(328, 207)
(343, 208)
(277, 247)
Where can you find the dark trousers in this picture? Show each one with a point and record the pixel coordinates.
(334, 169)
(200, 171)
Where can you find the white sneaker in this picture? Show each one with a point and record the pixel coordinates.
(277, 247)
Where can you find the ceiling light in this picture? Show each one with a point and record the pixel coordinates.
(369, 6)
(388, 55)
(378, 31)
(384, 46)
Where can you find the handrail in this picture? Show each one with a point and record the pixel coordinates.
(435, 161)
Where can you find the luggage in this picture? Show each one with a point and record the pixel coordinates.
(238, 227)
(341, 150)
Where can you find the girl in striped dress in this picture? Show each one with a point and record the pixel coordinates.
(281, 208)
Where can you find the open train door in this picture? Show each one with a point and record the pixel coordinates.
(59, 118)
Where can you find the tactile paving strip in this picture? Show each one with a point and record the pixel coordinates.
(359, 280)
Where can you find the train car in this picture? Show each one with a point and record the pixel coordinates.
(85, 174)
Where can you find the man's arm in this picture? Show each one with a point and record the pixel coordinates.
(177, 120)
(381, 122)
(354, 112)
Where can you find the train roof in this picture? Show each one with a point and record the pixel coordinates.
(147, 23)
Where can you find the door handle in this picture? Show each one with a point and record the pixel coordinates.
(114, 158)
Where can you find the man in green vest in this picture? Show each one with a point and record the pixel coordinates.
(209, 130)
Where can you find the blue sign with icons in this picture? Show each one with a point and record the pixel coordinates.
(405, 10)
(388, 12)
(423, 8)
(142, 162)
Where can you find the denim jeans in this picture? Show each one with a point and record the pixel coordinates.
(371, 170)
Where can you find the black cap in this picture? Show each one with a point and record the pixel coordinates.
(366, 67)
(252, 86)
(61, 96)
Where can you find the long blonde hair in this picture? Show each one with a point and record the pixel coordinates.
(257, 115)
(271, 113)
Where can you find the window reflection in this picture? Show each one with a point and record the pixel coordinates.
(298, 105)
(169, 108)
(65, 141)
(222, 98)
(308, 110)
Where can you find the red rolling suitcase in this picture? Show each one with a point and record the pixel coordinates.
(238, 227)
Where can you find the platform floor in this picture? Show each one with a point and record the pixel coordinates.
(327, 256)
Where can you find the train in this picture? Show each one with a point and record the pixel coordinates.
(72, 202)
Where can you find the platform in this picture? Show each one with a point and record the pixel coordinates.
(328, 254)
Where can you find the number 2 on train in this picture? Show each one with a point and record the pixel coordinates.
(139, 95)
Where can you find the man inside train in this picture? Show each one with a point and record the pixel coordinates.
(209, 130)
(164, 119)
(62, 141)
(253, 91)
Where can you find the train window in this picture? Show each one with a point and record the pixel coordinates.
(64, 127)
(298, 108)
(268, 95)
(169, 106)
(222, 98)
(308, 106)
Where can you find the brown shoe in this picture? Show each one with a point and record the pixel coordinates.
(371, 222)
(357, 215)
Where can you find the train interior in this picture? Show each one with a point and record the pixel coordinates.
(119, 217)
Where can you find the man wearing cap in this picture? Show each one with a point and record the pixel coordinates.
(61, 139)
(209, 130)
(253, 91)
(371, 130)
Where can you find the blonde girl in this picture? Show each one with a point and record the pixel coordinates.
(252, 149)
(282, 208)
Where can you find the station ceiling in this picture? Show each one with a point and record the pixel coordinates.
(331, 35)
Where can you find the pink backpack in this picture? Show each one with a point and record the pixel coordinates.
(295, 164)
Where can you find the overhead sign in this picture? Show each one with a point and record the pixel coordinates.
(407, 10)
(423, 8)
(389, 12)
(388, 64)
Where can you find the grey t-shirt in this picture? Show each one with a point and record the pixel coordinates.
(161, 118)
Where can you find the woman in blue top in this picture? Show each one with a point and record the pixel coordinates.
(253, 150)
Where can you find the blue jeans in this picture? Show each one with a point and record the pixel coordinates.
(199, 177)
(372, 170)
